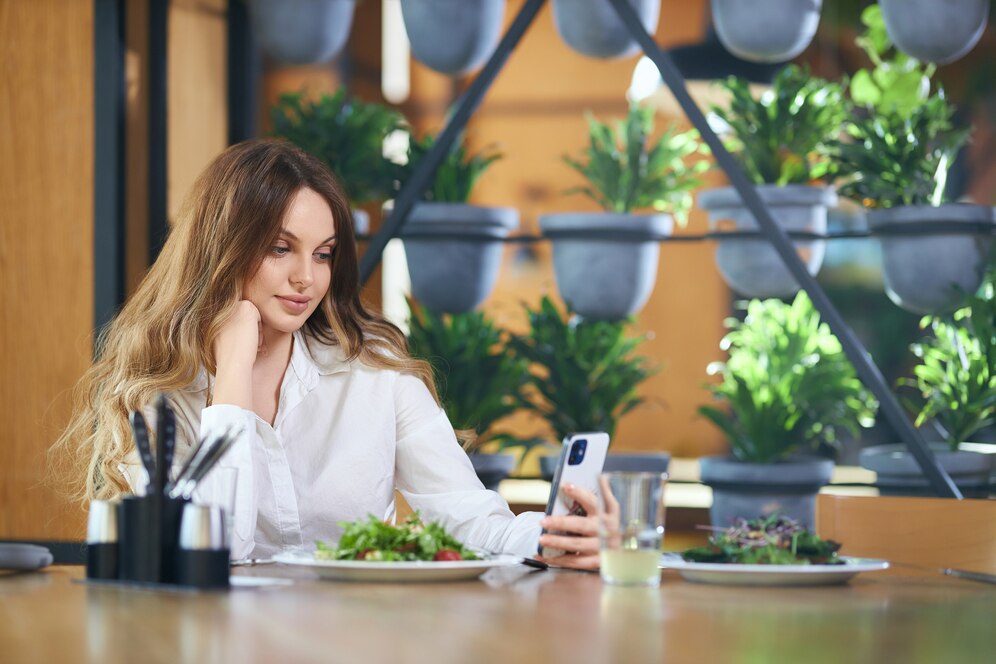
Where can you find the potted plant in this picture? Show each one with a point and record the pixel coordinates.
(453, 248)
(605, 262)
(766, 30)
(782, 140)
(956, 385)
(583, 377)
(453, 38)
(478, 380)
(348, 135)
(302, 31)
(937, 31)
(896, 164)
(593, 28)
(788, 387)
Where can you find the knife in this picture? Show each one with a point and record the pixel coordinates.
(971, 576)
(141, 432)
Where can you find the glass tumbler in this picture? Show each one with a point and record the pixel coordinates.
(631, 527)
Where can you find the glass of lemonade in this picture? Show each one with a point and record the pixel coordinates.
(631, 527)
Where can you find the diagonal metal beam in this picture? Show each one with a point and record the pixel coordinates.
(416, 186)
(867, 371)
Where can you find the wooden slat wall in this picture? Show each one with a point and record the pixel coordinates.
(46, 247)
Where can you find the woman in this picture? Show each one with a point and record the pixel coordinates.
(250, 320)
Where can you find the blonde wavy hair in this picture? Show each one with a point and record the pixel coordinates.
(164, 335)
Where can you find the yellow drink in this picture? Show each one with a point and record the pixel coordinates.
(633, 567)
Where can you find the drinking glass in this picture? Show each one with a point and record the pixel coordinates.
(218, 489)
(631, 527)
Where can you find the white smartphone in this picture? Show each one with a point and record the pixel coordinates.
(582, 456)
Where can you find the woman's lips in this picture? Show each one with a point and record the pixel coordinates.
(294, 305)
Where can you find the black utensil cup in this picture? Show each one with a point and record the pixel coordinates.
(202, 558)
(139, 552)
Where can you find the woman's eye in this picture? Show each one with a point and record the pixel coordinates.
(279, 251)
(323, 256)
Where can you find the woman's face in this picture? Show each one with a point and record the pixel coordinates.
(295, 274)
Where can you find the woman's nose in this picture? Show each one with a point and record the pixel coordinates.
(303, 272)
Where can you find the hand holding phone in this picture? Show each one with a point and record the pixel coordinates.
(581, 458)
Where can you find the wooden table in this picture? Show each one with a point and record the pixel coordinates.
(515, 615)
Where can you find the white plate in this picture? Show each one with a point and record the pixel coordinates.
(771, 575)
(419, 571)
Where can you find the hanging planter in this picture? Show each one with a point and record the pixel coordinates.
(453, 38)
(593, 28)
(752, 267)
(766, 30)
(929, 274)
(302, 31)
(610, 274)
(454, 253)
(898, 473)
(938, 31)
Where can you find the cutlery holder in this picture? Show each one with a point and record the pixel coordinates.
(148, 548)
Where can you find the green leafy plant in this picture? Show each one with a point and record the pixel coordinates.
(902, 139)
(627, 170)
(457, 174)
(784, 135)
(347, 134)
(956, 378)
(478, 379)
(584, 373)
(787, 383)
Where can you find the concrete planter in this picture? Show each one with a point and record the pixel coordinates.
(929, 274)
(935, 30)
(900, 475)
(302, 31)
(610, 275)
(593, 28)
(752, 490)
(453, 37)
(454, 251)
(491, 469)
(752, 267)
(766, 30)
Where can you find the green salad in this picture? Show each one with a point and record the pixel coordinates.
(773, 540)
(373, 540)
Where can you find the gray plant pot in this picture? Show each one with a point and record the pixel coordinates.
(752, 490)
(456, 271)
(654, 462)
(752, 267)
(609, 276)
(593, 28)
(899, 474)
(935, 30)
(766, 30)
(302, 31)
(932, 273)
(453, 37)
(491, 469)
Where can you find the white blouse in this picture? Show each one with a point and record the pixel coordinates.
(344, 437)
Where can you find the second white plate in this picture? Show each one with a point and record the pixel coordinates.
(771, 575)
(397, 572)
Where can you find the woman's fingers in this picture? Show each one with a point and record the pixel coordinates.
(574, 525)
(583, 497)
(569, 543)
(585, 562)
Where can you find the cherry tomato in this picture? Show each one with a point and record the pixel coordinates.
(447, 554)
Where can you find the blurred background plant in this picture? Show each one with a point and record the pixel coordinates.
(478, 378)
(347, 134)
(627, 170)
(784, 135)
(584, 374)
(457, 174)
(787, 383)
(956, 377)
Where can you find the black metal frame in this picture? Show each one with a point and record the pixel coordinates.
(158, 101)
(244, 67)
(108, 159)
(866, 369)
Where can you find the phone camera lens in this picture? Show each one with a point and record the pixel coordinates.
(577, 452)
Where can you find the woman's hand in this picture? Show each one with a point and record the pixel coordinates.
(580, 543)
(235, 349)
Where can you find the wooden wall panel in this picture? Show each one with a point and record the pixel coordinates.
(46, 248)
